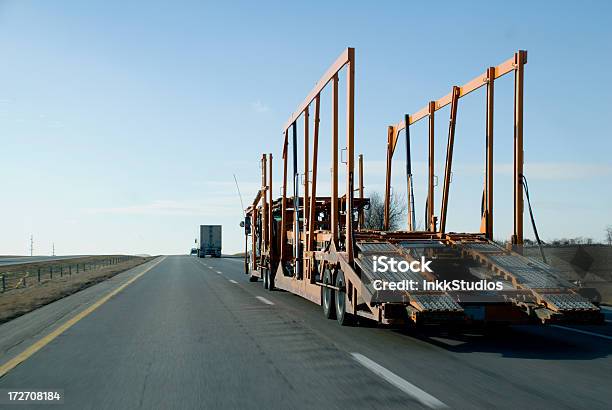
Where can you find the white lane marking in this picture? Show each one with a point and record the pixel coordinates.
(218, 271)
(233, 281)
(264, 300)
(210, 267)
(408, 388)
(571, 329)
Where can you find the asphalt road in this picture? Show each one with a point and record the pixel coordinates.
(193, 333)
(18, 260)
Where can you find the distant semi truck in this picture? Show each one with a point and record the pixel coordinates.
(210, 241)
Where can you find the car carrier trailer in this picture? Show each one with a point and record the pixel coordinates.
(318, 248)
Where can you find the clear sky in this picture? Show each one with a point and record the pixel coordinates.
(122, 123)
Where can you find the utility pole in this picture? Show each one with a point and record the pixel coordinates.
(53, 249)
(31, 245)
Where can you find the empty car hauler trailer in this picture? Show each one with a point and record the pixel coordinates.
(210, 241)
(317, 247)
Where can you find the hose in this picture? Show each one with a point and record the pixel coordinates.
(533, 224)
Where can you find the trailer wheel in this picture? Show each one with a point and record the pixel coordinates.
(344, 318)
(327, 296)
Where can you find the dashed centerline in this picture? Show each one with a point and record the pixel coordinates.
(264, 300)
(233, 281)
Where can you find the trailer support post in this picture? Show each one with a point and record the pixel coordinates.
(489, 155)
(520, 59)
(313, 197)
(387, 204)
(334, 170)
(449, 158)
(430, 182)
(283, 232)
(271, 254)
(350, 153)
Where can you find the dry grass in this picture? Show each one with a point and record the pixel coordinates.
(23, 300)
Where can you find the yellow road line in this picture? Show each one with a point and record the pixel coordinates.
(23, 356)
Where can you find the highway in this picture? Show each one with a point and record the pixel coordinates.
(195, 333)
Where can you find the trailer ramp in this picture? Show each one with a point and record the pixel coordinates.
(550, 289)
(535, 288)
(420, 300)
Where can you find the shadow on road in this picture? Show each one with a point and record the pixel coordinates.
(528, 342)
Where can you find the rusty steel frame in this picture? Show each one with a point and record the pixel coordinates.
(306, 171)
(318, 242)
(301, 212)
(515, 64)
(361, 188)
(409, 182)
(347, 58)
(488, 211)
(270, 219)
(430, 170)
(264, 187)
(261, 209)
(334, 166)
(313, 197)
(388, 178)
(520, 59)
(449, 158)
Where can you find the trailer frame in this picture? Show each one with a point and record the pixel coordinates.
(317, 247)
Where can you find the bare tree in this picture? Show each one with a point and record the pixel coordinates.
(375, 214)
(609, 235)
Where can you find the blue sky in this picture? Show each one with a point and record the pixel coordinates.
(122, 123)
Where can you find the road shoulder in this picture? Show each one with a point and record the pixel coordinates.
(17, 335)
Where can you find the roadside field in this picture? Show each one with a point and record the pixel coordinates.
(57, 280)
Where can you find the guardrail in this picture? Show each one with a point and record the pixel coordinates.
(22, 279)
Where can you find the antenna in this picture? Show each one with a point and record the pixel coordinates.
(31, 245)
(239, 194)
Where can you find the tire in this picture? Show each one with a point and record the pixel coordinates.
(343, 317)
(264, 275)
(328, 296)
(253, 278)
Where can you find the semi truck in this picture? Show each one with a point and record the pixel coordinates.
(210, 241)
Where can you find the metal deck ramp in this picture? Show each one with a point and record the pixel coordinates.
(423, 301)
(544, 281)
